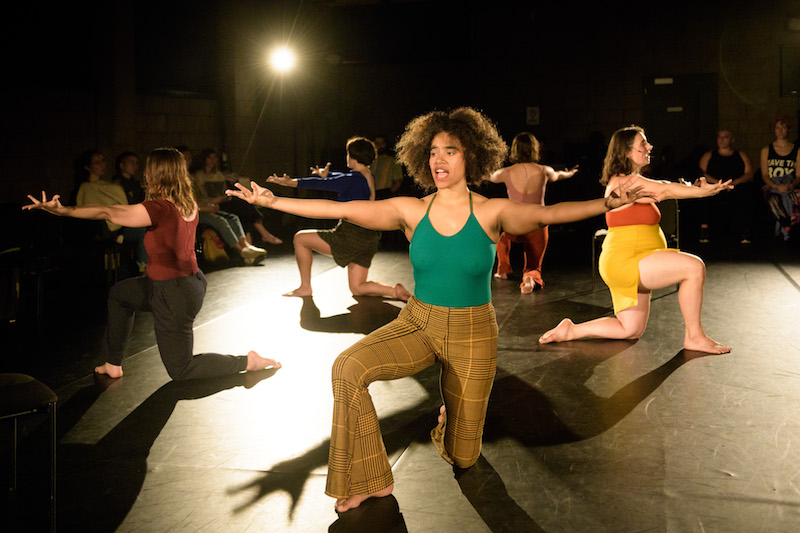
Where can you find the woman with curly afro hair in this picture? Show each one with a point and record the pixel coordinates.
(450, 320)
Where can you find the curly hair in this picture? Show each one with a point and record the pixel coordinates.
(166, 176)
(617, 162)
(484, 149)
(524, 148)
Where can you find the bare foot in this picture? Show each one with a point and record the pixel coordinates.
(351, 502)
(112, 371)
(401, 293)
(269, 238)
(498, 275)
(256, 362)
(527, 285)
(299, 292)
(705, 344)
(562, 332)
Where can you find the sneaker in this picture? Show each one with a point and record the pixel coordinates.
(252, 255)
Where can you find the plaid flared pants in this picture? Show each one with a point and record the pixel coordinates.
(462, 340)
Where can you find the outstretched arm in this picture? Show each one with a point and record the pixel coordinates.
(555, 175)
(131, 216)
(499, 176)
(381, 215)
(662, 190)
(518, 219)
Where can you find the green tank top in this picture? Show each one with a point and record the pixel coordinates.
(453, 271)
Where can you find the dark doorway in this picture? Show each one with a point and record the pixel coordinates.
(681, 113)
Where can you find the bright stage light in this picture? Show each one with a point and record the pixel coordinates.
(282, 59)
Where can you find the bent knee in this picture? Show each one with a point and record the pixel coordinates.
(635, 333)
(696, 269)
(347, 367)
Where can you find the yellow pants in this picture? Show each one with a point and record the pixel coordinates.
(462, 340)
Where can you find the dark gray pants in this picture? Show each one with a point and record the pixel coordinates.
(174, 304)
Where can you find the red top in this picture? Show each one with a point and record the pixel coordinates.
(169, 242)
(635, 214)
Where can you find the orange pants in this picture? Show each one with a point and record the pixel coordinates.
(534, 244)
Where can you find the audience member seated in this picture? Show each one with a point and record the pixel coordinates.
(126, 166)
(779, 164)
(209, 194)
(729, 209)
(215, 182)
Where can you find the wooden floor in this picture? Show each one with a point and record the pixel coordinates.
(582, 436)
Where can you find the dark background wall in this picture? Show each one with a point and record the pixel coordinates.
(131, 75)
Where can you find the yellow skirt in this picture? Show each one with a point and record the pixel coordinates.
(623, 248)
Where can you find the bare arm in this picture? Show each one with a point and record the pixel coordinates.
(499, 176)
(703, 164)
(518, 219)
(131, 216)
(383, 215)
(748, 171)
(555, 175)
(659, 190)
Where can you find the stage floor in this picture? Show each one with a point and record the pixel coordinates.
(582, 436)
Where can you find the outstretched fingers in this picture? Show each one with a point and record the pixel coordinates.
(241, 192)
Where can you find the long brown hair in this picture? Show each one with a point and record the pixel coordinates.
(617, 162)
(167, 178)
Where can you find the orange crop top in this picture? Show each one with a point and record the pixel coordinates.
(635, 214)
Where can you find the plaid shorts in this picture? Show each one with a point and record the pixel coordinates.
(351, 243)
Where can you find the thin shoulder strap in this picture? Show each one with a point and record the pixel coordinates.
(431, 203)
(470, 202)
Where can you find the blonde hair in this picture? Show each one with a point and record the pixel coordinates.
(617, 162)
(167, 178)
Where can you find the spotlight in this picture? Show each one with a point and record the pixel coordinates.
(282, 59)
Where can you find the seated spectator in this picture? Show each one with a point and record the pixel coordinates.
(227, 225)
(729, 208)
(779, 162)
(214, 182)
(126, 166)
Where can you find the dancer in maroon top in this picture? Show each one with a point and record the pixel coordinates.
(173, 286)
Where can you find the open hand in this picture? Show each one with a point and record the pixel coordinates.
(321, 172)
(53, 205)
(284, 180)
(713, 188)
(258, 195)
